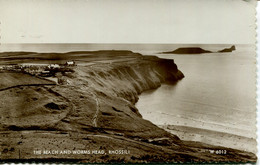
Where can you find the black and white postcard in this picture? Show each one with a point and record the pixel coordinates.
(128, 81)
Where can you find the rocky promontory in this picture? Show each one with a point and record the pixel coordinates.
(188, 50)
(198, 50)
(90, 116)
(231, 49)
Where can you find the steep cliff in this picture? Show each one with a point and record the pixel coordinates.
(115, 87)
(128, 79)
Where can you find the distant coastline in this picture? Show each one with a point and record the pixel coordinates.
(70, 47)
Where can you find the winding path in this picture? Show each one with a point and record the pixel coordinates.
(26, 85)
(95, 118)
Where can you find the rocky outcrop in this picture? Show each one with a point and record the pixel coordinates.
(188, 50)
(231, 49)
(198, 50)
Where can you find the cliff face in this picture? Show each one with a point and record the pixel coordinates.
(115, 88)
(127, 80)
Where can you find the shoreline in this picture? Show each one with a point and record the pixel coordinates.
(212, 137)
(233, 138)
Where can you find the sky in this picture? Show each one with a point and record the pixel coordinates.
(128, 21)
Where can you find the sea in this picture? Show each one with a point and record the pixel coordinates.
(214, 103)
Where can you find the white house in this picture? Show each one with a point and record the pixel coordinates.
(53, 66)
(70, 63)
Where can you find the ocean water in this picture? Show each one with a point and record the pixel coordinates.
(218, 94)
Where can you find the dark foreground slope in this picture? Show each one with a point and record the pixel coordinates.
(91, 117)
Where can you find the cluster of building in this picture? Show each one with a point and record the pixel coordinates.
(44, 70)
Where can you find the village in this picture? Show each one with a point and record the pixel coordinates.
(43, 70)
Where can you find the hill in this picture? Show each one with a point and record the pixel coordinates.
(188, 50)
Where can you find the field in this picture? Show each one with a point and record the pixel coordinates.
(14, 79)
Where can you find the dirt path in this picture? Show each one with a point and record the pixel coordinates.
(95, 118)
(17, 86)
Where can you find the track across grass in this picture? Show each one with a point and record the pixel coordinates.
(16, 79)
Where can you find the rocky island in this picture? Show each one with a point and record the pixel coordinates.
(198, 50)
(188, 50)
(89, 113)
(231, 49)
